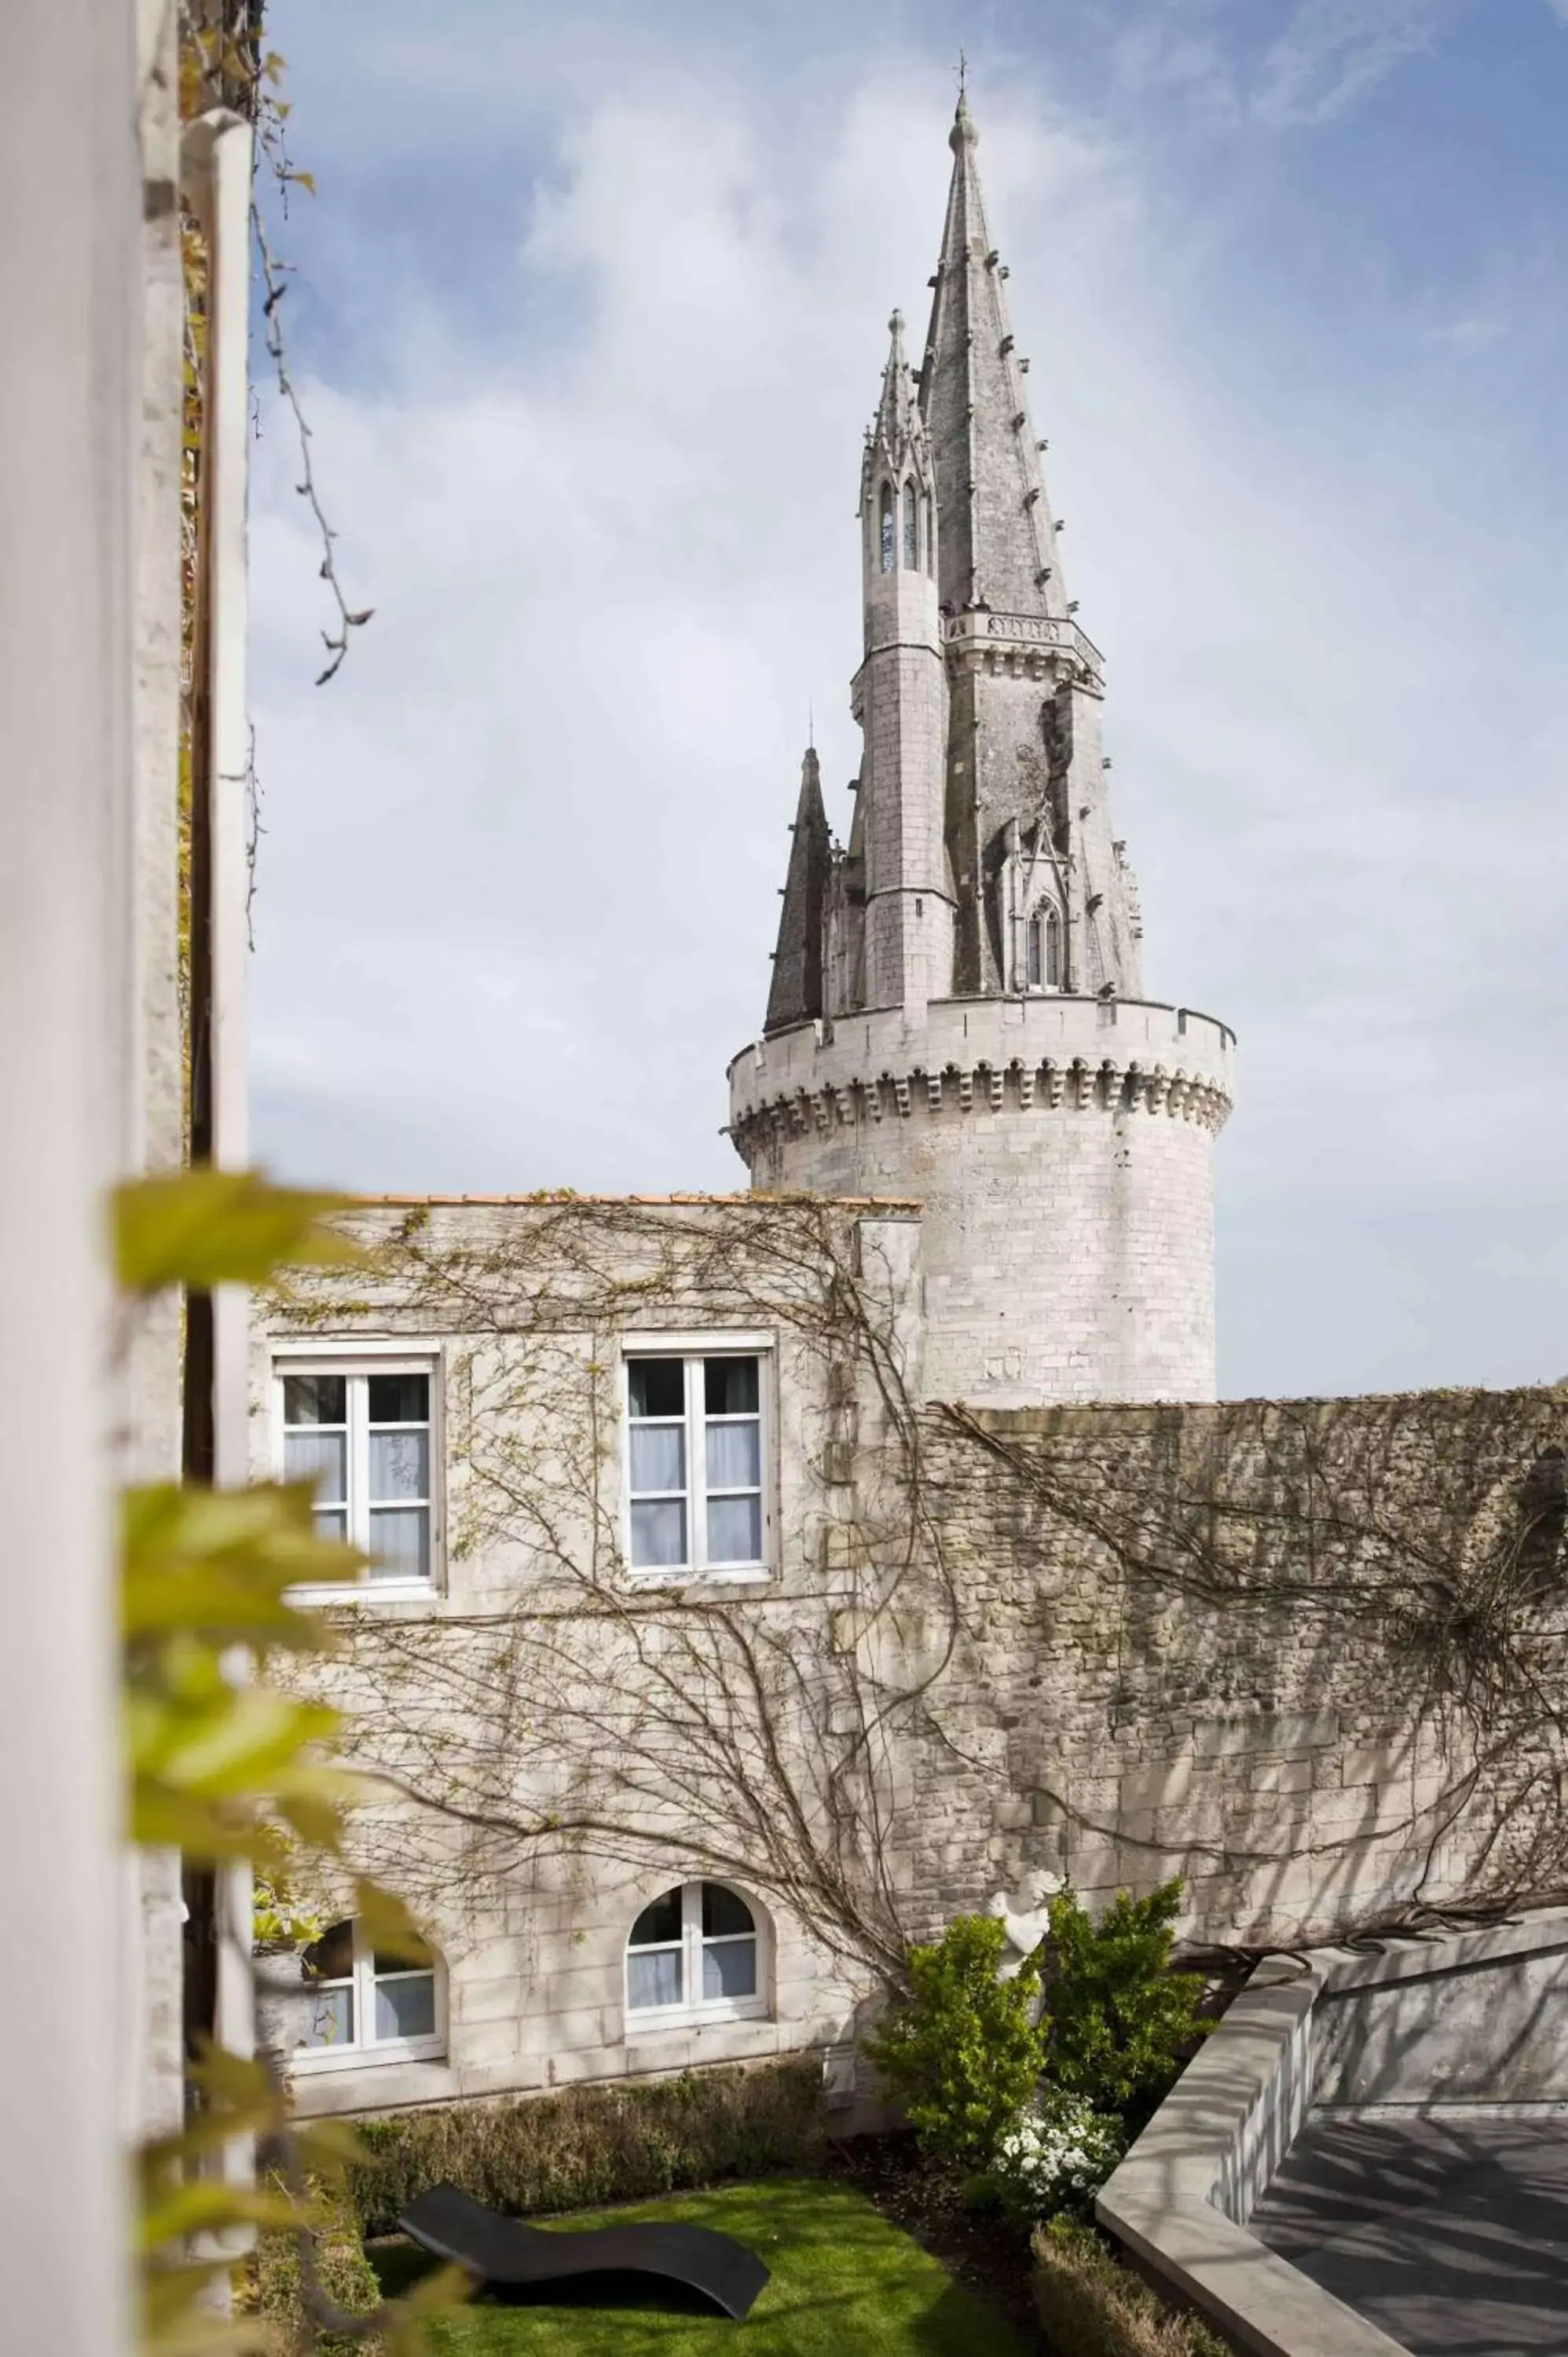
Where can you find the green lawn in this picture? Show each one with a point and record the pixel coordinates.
(843, 2279)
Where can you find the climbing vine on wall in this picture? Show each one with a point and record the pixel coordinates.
(814, 1739)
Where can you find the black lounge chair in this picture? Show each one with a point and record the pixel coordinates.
(509, 2254)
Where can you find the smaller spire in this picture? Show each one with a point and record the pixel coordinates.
(797, 991)
(898, 425)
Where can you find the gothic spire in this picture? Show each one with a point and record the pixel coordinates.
(997, 545)
(895, 439)
(797, 991)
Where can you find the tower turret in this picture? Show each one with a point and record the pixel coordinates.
(955, 1011)
(899, 697)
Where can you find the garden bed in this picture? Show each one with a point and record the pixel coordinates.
(844, 2277)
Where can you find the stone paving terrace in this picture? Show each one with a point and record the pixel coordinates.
(1450, 2234)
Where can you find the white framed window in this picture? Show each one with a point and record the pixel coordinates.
(364, 1432)
(696, 1461)
(361, 2005)
(695, 1954)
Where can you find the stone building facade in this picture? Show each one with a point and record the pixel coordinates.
(692, 1610)
(755, 1582)
(956, 1010)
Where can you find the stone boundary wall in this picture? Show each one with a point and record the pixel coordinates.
(1304, 1654)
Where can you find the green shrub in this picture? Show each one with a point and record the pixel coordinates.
(270, 2284)
(960, 2051)
(588, 2146)
(1093, 2305)
(1117, 2020)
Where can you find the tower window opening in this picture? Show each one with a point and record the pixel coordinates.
(930, 537)
(887, 528)
(1042, 949)
(911, 527)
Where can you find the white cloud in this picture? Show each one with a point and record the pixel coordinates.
(1334, 53)
(519, 882)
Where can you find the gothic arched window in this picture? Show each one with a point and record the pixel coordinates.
(695, 1952)
(362, 2003)
(930, 537)
(1043, 949)
(887, 528)
(911, 527)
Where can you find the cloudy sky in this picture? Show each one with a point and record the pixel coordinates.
(589, 312)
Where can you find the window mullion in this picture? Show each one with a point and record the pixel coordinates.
(697, 1464)
(359, 1464)
(364, 1988)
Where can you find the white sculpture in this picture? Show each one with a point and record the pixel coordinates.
(1026, 1919)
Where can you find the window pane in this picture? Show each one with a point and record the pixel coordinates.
(657, 1386)
(730, 1387)
(406, 2007)
(735, 1456)
(321, 1457)
(654, 1977)
(735, 1529)
(658, 1922)
(399, 1544)
(398, 1399)
(314, 1399)
(729, 1969)
(331, 2017)
(400, 1465)
(659, 1533)
(333, 1524)
(659, 1457)
(330, 1958)
(724, 1911)
(911, 527)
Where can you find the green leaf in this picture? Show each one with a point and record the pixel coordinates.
(387, 1924)
(206, 1227)
(329, 2147)
(218, 1563)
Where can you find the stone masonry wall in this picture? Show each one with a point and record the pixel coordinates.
(1304, 1654)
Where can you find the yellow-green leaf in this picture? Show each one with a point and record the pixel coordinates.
(218, 1563)
(206, 1227)
(387, 1925)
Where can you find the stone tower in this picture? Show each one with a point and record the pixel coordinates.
(956, 1011)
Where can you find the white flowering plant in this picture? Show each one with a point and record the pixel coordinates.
(1056, 2155)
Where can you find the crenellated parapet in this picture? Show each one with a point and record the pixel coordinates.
(1043, 1056)
(1023, 646)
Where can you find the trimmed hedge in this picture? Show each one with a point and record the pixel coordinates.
(269, 2282)
(587, 2147)
(1093, 2305)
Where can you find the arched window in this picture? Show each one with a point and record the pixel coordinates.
(911, 527)
(930, 537)
(887, 528)
(1043, 949)
(362, 2003)
(695, 1954)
